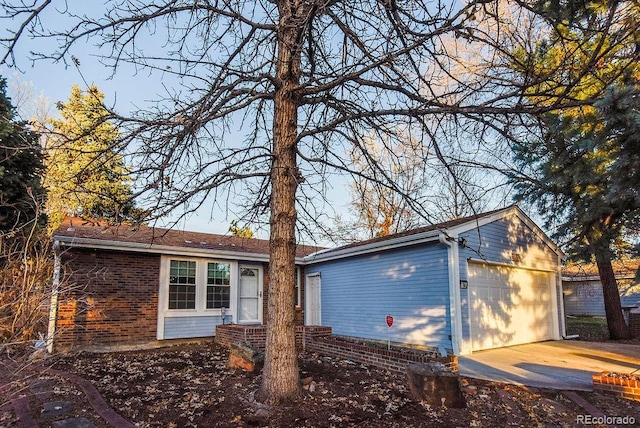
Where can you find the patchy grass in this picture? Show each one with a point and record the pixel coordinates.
(593, 329)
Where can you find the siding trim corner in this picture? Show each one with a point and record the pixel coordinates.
(455, 305)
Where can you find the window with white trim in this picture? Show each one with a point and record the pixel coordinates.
(182, 284)
(218, 285)
(198, 285)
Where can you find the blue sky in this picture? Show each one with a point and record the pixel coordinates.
(126, 91)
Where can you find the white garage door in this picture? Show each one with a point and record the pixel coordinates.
(509, 306)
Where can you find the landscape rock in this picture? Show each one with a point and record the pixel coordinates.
(471, 389)
(54, 409)
(242, 356)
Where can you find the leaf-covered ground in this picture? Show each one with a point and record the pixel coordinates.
(191, 386)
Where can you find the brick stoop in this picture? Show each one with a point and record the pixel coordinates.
(612, 384)
(256, 335)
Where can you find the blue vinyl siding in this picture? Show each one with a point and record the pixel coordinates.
(411, 284)
(496, 242)
(585, 297)
(186, 327)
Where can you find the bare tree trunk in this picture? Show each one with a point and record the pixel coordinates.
(618, 329)
(280, 375)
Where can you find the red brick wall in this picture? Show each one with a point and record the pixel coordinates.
(319, 339)
(615, 385)
(107, 298)
(256, 335)
(395, 360)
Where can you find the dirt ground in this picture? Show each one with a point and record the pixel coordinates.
(190, 385)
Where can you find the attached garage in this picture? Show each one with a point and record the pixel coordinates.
(509, 306)
(469, 284)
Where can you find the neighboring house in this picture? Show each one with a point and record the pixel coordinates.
(475, 283)
(582, 288)
(119, 285)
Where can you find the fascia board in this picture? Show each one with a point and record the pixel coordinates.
(482, 221)
(327, 255)
(100, 244)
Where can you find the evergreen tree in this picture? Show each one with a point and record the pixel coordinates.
(20, 169)
(86, 176)
(584, 168)
(24, 258)
(588, 175)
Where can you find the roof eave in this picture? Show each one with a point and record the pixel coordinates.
(100, 244)
(418, 238)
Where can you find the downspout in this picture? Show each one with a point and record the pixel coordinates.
(55, 289)
(560, 302)
(451, 242)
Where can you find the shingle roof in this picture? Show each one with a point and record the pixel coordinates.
(578, 271)
(95, 230)
(440, 226)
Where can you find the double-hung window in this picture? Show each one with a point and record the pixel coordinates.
(182, 284)
(199, 285)
(218, 285)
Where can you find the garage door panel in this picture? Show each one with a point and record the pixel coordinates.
(508, 306)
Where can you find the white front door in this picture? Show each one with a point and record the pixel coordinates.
(250, 295)
(312, 310)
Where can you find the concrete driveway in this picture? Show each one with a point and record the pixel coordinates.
(555, 364)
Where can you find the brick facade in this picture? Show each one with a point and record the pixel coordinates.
(110, 299)
(107, 298)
